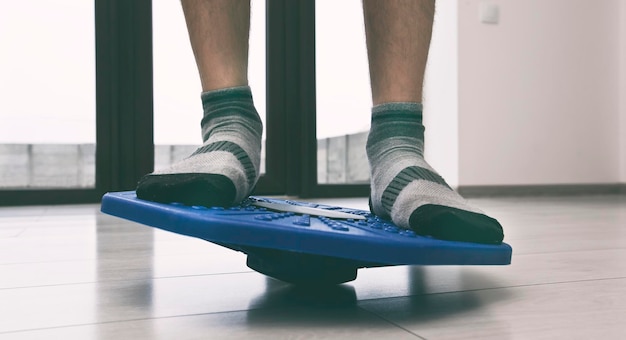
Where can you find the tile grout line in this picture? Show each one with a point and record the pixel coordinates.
(252, 271)
(118, 321)
(124, 280)
(246, 310)
(389, 321)
(505, 287)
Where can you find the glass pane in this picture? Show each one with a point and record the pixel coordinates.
(344, 99)
(47, 94)
(177, 105)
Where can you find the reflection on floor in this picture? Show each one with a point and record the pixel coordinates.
(69, 272)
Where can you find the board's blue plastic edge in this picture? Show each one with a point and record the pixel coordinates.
(429, 252)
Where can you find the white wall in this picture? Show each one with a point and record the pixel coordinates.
(441, 94)
(622, 90)
(539, 93)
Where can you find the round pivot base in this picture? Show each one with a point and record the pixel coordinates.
(301, 269)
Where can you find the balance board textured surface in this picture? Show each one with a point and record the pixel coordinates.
(297, 247)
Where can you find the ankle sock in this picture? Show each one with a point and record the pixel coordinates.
(225, 169)
(407, 190)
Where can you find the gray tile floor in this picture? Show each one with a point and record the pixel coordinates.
(69, 272)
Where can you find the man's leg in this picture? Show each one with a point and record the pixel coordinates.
(403, 186)
(219, 31)
(225, 169)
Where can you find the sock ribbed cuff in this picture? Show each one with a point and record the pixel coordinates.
(397, 106)
(228, 92)
(219, 103)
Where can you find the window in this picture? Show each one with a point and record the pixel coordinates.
(47, 90)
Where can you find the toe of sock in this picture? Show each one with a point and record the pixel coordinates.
(452, 224)
(190, 189)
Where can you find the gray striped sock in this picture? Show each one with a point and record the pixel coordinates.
(225, 169)
(407, 190)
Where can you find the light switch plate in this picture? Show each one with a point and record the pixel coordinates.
(489, 13)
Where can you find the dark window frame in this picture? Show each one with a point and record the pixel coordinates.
(124, 106)
(123, 43)
(307, 71)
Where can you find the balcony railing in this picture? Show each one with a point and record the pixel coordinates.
(47, 166)
(340, 160)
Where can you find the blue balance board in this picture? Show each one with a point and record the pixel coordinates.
(302, 242)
